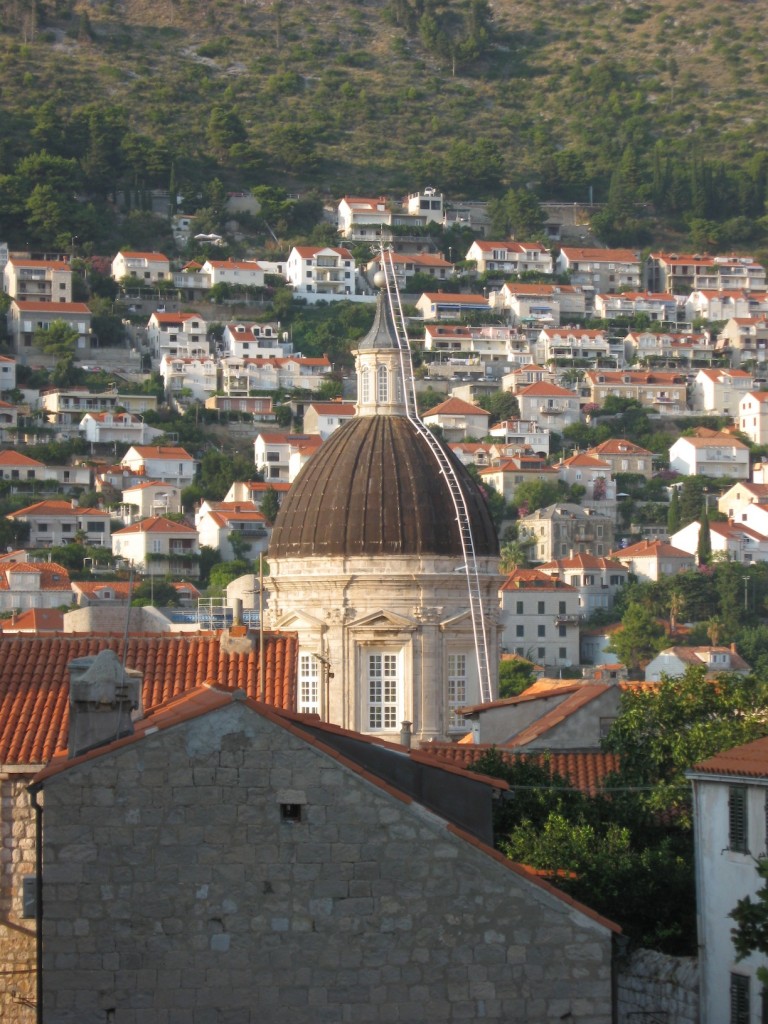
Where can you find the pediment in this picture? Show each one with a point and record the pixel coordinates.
(382, 620)
(297, 621)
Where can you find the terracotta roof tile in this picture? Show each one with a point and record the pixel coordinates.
(34, 682)
(750, 760)
(584, 770)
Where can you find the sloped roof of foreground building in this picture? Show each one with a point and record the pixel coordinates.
(34, 679)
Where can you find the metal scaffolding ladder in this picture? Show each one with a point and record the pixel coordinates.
(448, 470)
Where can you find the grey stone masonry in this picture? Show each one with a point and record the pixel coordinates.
(17, 932)
(226, 870)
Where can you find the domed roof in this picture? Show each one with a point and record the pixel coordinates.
(375, 488)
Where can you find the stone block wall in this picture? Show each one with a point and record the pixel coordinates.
(228, 871)
(17, 933)
(653, 983)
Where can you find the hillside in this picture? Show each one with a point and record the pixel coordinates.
(356, 95)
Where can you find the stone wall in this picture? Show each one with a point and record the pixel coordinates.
(226, 870)
(112, 618)
(654, 987)
(17, 933)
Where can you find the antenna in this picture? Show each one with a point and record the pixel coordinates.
(448, 470)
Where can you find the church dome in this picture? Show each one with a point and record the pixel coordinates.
(375, 488)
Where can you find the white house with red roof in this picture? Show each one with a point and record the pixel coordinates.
(324, 418)
(458, 419)
(598, 579)
(27, 317)
(655, 389)
(245, 273)
(509, 257)
(720, 391)
(549, 405)
(249, 340)
(708, 304)
(159, 547)
(561, 344)
(719, 455)
(673, 662)
(523, 435)
(600, 270)
(361, 218)
(17, 466)
(682, 273)
(540, 304)
(736, 501)
(506, 475)
(405, 265)
(659, 307)
(25, 585)
(161, 462)
(595, 476)
(753, 416)
(240, 376)
(450, 305)
(279, 455)
(327, 271)
(746, 338)
(539, 618)
(7, 374)
(527, 373)
(624, 457)
(120, 427)
(149, 498)
(736, 541)
(141, 268)
(255, 490)
(217, 522)
(38, 280)
(730, 796)
(178, 334)
(55, 522)
(655, 559)
(188, 378)
(677, 347)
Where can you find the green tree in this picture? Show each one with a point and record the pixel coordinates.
(515, 675)
(664, 730)
(673, 514)
(535, 494)
(704, 547)
(158, 593)
(58, 340)
(270, 505)
(639, 639)
(517, 214)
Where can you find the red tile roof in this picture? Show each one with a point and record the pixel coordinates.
(456, 407)
(585, 771)
(750, 760)
(34, 681)
(11, 458)
(35, 620)
(156, 524)
(56, 508)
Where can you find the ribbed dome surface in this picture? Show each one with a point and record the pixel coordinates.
(375, 488)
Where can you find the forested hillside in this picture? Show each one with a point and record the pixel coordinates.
(654, 109)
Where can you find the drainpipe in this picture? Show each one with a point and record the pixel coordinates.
(33, 791)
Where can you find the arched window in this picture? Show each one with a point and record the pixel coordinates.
(365, 385)
(382, 377)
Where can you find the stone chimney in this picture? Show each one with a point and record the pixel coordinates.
(102, 698)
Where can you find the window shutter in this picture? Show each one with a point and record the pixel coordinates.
(737, 820)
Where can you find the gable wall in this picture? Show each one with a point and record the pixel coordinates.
(173, 885)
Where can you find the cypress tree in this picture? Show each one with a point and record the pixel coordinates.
(673, 513)
(704, 550)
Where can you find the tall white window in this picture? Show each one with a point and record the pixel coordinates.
(382, 384)
(383, 672)
(457, 690)
(365, 385)
(309, 684)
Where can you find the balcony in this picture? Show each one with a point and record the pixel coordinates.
(567, 620)
(550, 410)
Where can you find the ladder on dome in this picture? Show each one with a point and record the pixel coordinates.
(448, 470)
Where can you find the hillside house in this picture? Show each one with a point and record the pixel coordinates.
(718, 455)
(161, 462)
(654, 559)
(40, 585)
(753, 416)
(539, 617)
(566, 344)
(235, 529)
(324, 418)
(600, 270)
(244, 340)
(663, 392)
(237, 273)
(189, 378)
(509, 257)
(116, 427)
(37, 280)
(506, 475)
(458, 419)
(563, 530)
(624, 457)
(159, 547)
(450, 305)
(150, 498)
(549, 405)
(25, 317)
(178, 334)
(720, 391)
(279, 456)
(597, 579)
(674, 661)
(141, 269)
(322, 270)
(53, 523)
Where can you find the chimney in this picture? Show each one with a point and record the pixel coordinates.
(405, 734)
(102, 697)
